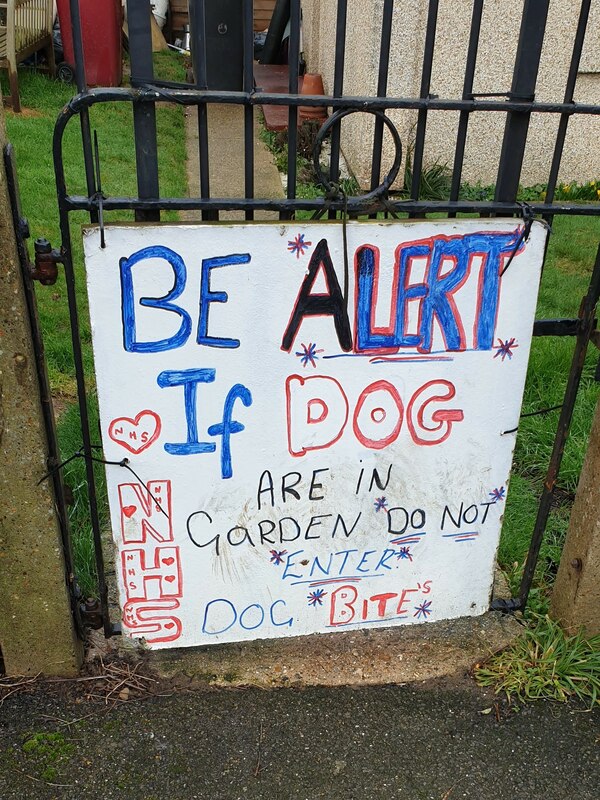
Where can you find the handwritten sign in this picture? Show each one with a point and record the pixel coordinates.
(307, 447)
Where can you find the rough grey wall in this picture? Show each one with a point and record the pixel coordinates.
(499, 34)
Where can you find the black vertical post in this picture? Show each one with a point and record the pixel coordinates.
(527, 62)
(248, 109)
(198, 27)
(463, 122)
(293, 66)
(144, 114)
(568, 98)
(417, 166)
(84, 116)
(338, 88)
(382, 81)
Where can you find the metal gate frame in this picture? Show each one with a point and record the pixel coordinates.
(517, 104)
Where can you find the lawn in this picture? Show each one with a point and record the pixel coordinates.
(31, 135)
(570, 258)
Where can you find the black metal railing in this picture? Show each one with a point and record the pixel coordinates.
(517, 104)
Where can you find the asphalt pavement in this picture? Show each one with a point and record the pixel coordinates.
(433, 741)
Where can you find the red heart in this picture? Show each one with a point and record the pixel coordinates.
(168, 561)
(129, 511)
(169, 625)
(135, 434)
(169, 578)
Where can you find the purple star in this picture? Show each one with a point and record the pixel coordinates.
(404, 553)
(298, 245)
(498, 494)
(277, 556)
(424, 610)
(308, 355)
(380, 503)
(506, 348)
(316, 598)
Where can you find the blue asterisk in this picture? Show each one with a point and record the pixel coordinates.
(506, 348)
(308, 355)
(498, 494)
(298, 245)
(424, 610)
(380, 503)
(316, 598)
(277, 556)
(404, 553)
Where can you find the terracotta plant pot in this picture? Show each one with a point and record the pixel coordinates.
(312, 84)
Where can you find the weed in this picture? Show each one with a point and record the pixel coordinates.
(546, 663)
(435, 180)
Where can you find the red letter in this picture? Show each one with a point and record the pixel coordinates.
(386, 410)
(442, 419)
(347, 596)
(317, 412)
(382, 602)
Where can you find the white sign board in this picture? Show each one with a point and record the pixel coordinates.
(311, 452)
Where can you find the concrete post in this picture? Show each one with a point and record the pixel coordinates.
(576, 595)
(36, 625)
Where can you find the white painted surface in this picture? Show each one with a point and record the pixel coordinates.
(198, 573)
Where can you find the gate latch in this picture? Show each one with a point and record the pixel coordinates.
(47, 259)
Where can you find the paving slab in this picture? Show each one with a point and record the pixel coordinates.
(226, 161)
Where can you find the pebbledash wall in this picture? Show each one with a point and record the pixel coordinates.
(495, 61)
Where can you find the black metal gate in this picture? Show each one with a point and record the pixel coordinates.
(516, 104)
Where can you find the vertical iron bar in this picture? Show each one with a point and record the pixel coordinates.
(42, 374)
(586, 326)
(568, 98)
(249, 109)
(338, 88)
(382, 81)
(84, 116)
(144, 114)
(463, 121)
(417, 166)
(527, 62)
(294, 66)
(83, 413)
(202, 83)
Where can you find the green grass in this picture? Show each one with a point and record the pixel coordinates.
(571, 254)
(31, 135)
(546, 663)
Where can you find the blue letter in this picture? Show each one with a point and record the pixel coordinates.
(289, 621)
(128, 310)
(226, 628)
(229, 426)
(189, 379)
(367, 336)
(207, 297)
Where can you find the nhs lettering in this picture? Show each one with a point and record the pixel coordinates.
(321, 434)
(320, 404)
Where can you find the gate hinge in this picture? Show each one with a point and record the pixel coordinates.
(91, 613)
(47, 259)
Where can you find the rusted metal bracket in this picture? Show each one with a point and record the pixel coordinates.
(47, 259)
(91, 613)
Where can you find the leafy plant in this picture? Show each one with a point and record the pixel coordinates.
(587, 191)
(435, 182)
(546, 663)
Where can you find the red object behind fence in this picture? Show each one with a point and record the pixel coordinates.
(101, 23)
